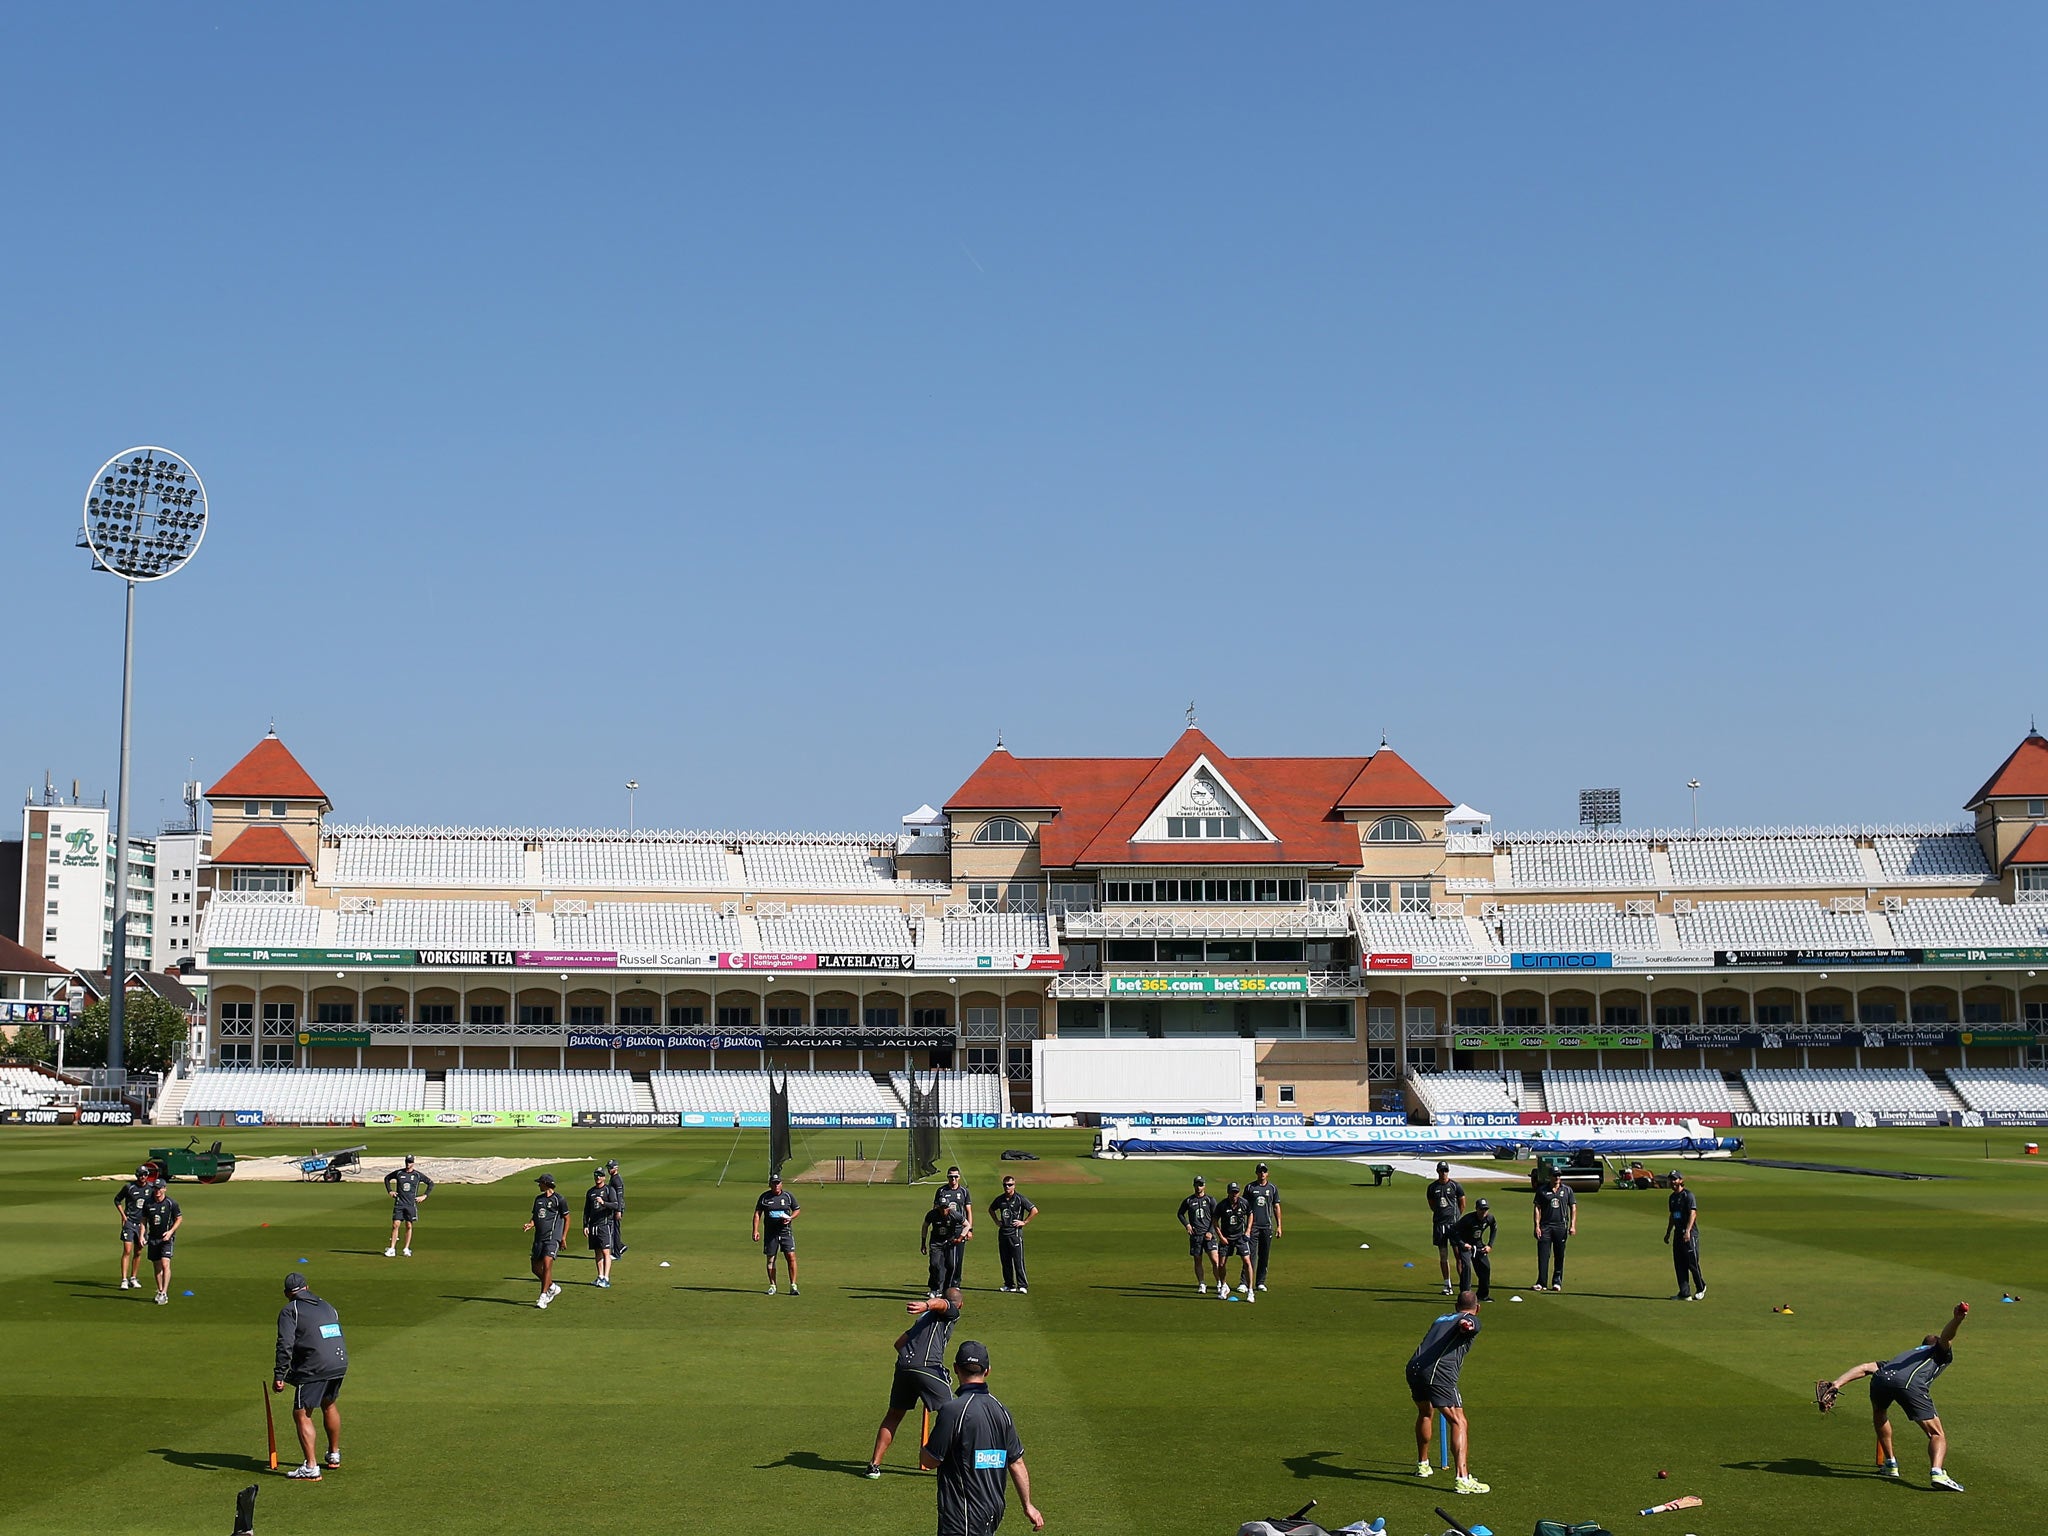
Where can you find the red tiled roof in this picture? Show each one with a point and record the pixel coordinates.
(1103, 801)
(2024, 774)
(2033, 848)
(1387, 782)
(16, 961)
(264, 845)
(269, 772)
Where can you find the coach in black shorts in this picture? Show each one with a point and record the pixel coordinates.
(161, 1219)
(775, 1215)
(133, 1203)
(1197, 1214)
(407, 1187)
(1234, 1226)
(312, 1359)
(920, 1367)
(974, 1448)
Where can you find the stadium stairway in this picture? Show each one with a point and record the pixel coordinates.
(1738, 1093)
(888, 1081)
(643, 1091)
(437, 1091)
(170, 1104)
(1950, 1099)
(1532, 1091)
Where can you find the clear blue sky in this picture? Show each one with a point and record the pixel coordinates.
(772, 403)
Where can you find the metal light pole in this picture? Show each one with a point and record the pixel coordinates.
(145, 515)
(1694, 786)
(632, 788)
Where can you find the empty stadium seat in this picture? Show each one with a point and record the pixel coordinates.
(1561, 925)
(817, 866)
(647, 925)
(540, 1090)
(1947, 920)
(1599, 863)
(1715, 862)
(1444, 1093)
(1838, 1090)
(1771, 925)
(1655, 1090)
(419, 857)
(235, 919)
(1413, 931)
(2002, 1090)
(610, 863)
(307, 1094)
(964, 1093)
(436, 924)
(1949, 858)
(809, 929)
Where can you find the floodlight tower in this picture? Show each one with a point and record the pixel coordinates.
(145, 515)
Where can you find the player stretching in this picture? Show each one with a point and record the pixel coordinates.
(1197, 1214)
(1907, 1380)
(1446, 1197)
(1433, 1384)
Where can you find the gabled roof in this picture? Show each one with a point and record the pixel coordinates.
(1386, 782)
(2033, 848)
(16, 961)
(1102, 802)
(2023, 775)
(270, 846)
(162, 983)
(269, 772)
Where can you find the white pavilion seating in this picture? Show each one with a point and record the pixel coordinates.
(2002, 1090)
(306, 1094)
(1837, 1090)
(1657, 1090)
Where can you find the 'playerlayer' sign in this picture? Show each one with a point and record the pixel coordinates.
(1195, 986)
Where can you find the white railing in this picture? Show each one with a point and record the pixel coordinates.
(1469, 843)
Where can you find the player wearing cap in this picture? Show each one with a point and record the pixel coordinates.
(1013, 1212)
(160, 1222)
(1473, 1237)
(1433, 1384)
(1234, 1226)
(132, 1201)
(617, 1181)
(1556, 1215)
(408, 1187)
(920, 1367)
(974, 1448)
(1908, 1380)
(1267, 1221)
(948, 1227)
(1446, 1197)
(312, 1359)
(775, 1215)
(1197, 1214)
(600, 1211)
(549, 1222)
(1682, 1232)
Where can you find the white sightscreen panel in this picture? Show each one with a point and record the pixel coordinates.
(1168, 1077)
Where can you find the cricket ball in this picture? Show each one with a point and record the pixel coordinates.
(1663, 1474)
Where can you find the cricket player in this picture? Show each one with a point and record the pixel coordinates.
(920, 1367)
(312, 1359)
(1474, 1236)
(160, 1223)
(408, 1187)
(1682, 1232)
(600, 1211)
(1197, 1215)
(974, 1447)
(1013, 1213)
(617, 1181)
(1234, 1227)
(1446, 1197)
(1907, 1380)
(549, 1222)
(1433, 1384)
(1267, 1220)
(775, 1215)
(949, 1254)
(132, 1201)
(1556, 1215)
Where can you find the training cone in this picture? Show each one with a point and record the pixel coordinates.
(188, 1293)
(664, 1263)
(1407, 1266)
(1363, 1246)
(1514, 1298)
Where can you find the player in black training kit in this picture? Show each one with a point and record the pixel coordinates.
(1473, 1237)
(1013, 1213)
(1908, 1380)
(1446, 1197)
(947, 1227)
(973, 1447)
(550, 1221)
(1234, 1226)
(600, 1211)
(1433, 1384)
(617, 1181)
(1682, 1232)
(920, 1367)
(775, 1215)
(133, 1203)
(408, 1187)
(312, 1359)
(1197, 1214)
(1557, 1221)
(160, 1222)
(1267, 1223)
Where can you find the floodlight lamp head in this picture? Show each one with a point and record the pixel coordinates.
(137, 521)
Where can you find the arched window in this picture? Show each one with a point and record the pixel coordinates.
(1002, 829)
(1394, 829)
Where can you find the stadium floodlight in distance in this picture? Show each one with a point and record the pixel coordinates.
(1694, 786)
(632, 789)
(1599, 807)
(145, 515)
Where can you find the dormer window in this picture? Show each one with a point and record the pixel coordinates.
(1002, 829)
(2037, 809)
(277, 807)
(1394, 829)
(252, 809)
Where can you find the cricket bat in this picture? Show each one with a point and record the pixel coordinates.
(1683, 1501)
(925, 1438)
(270, 1424)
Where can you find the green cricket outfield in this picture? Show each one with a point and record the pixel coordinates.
(686, 1400)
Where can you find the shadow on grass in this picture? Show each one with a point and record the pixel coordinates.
(212, 1461)
(358, 1253)
(496, 1301)
(730, 1290)
(877, 1293)
(1155, 1291)
(811, 1461)
(1804, 1466)
(1318, 1464)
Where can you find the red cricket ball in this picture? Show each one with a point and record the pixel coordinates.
(1663, 1474)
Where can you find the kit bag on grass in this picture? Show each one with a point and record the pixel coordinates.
(1559, 1528)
